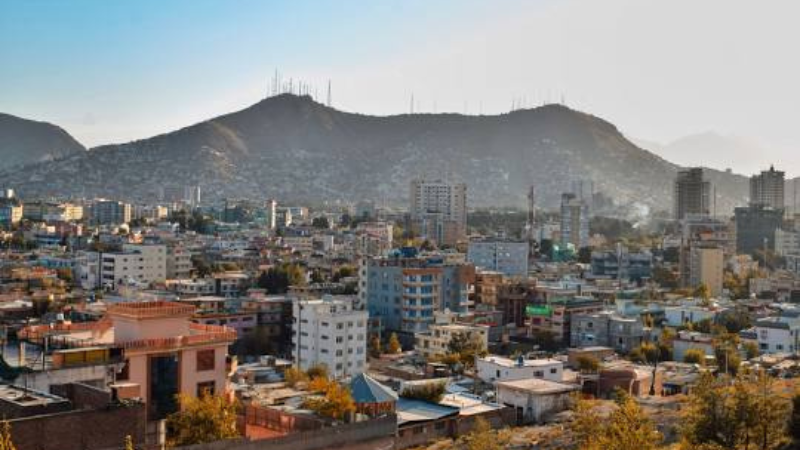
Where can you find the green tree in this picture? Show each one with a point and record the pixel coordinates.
(321, 223)
(207, 418)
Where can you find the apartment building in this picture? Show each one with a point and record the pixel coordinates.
(508, 258)
(606, 329)
(179, 262)
(436, 341)
(574, 221)
(136, 263)
(438, 210)
(405, 292)
(110, 212)
(329, 331)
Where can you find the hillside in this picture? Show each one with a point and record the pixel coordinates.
(295, 149)
(25, 141)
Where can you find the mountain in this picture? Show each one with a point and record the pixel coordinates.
(294, 149)
(25, 141)
(740, 154)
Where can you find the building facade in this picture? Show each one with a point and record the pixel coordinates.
(508, 258)
(329, 331)
(438, 210)
(767, 188)
(692, 194)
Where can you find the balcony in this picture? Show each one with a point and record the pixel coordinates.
(200, 335)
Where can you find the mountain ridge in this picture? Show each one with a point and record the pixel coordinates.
(24, 141)
(296, 149)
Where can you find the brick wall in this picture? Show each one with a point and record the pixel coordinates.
(331, 437)
(101, 429)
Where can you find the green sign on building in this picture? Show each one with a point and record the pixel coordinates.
(538, 310)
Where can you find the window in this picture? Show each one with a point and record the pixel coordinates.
(553, 370)
(205, 388)
(538, 374)
(205, 360)
(124, 374)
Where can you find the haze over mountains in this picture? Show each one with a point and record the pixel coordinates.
(295, 149)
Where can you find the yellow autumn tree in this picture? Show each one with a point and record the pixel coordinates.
(5, 437)
(202, 419)
(483, 437)
(336, 402)
(129, 443)
(394, 347)
(294, 375)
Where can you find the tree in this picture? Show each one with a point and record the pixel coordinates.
(202, 419)
(293, 375)
(585, 255)
(587, 364)
(318, 371)
(321, 223)
(739, 413)
(694, 356)
(375, 347)
(428, 391)
(750, 350)
(394, 346)
(468, 347)
(794, 421)
(277, 279)
(129, 443)
(336, 403)
(703, 292)
(483, 437)
(626, 429)
(5, 437)
(645, 353)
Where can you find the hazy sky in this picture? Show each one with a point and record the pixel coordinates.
(111, 71)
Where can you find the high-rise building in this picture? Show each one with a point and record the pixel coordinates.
(329, 331)
(767, 189)
(755, 227)
(574, 221)
(438, 210)
(692, 194)
(272, 214)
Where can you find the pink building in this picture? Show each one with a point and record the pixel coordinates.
(165, 353)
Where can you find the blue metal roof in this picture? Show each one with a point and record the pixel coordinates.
(365, 389)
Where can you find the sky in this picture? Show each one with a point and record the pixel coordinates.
(113, 71)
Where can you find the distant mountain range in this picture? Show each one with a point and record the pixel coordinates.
(25, 141)
(294, 149)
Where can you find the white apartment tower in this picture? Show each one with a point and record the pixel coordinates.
(439, 210)
(329, 331)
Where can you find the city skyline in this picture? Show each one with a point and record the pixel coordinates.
(113, 73)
